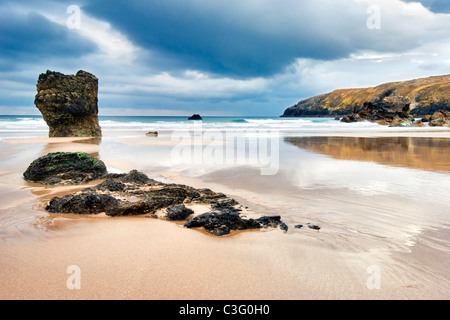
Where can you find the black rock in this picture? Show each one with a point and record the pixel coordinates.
(111, 185)
(312, 226)
(135, 194)
(148, 205)
(195, 117)
(225, 205)
(272, 221)
(178, 212)
(126, 208)
(221, 223)
(90, 203)
(135, 176)
(390, 110)
(299, 226)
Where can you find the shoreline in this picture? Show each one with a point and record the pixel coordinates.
(161, 260)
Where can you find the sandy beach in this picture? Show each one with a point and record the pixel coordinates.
(377, 240)
(225, 150)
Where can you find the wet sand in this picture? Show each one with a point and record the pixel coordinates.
(142, 258)
(424, 153)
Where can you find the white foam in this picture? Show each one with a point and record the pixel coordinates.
(295, 125)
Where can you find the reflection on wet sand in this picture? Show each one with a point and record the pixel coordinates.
(431, 154)
(88, 145)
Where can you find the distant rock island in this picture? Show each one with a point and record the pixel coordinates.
(195, 117)
(423, 97)
(68, 104)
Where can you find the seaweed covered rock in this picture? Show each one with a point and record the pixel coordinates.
(68, 104)
(65, 168)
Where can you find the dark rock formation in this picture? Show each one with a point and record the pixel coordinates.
(417, 123)
(68, 104)
(439, 118)
(65, 168)
(221, 223)
(82, 203)
(195, 117)
(426, 95)
(226, 205)
(392, 110)
(111, 185)
(135, 194)
(178, 213)
(312, 226)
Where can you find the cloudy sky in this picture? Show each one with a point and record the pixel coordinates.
(218, 57)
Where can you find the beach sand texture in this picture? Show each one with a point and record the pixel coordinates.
(385, 229)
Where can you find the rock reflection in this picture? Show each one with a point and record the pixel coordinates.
(430, 154)
(88, 145)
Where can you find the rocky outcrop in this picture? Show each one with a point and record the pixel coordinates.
(135, 194)
(392, 110)
(82, 203)
(65, 168)
(426, 96)
(178, 212)
(438, 119)
(68, 104)
(221, 223)
(195, 117)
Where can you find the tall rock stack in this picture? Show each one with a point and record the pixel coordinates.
(68, 104)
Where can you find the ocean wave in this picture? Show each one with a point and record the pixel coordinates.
(130, 124)
(22, 124)
(281, 120)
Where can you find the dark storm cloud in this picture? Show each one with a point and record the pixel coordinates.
(31, 37)
(256, 38)
(228, 37)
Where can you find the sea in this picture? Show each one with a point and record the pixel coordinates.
(32, 126)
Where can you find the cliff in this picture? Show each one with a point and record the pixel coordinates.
(68, 103)
(427, 96)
